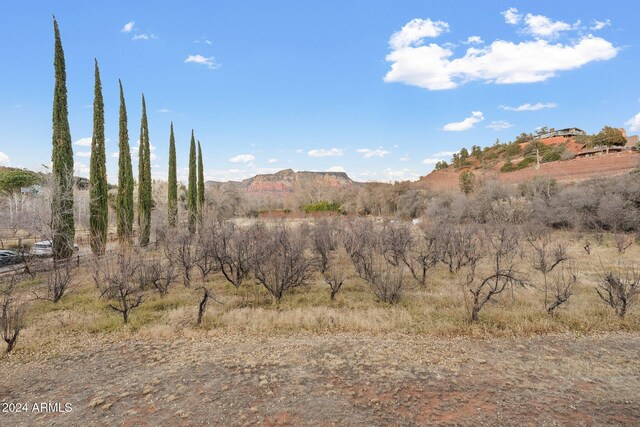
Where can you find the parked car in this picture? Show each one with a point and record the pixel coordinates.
(9, 257)
(45, 248)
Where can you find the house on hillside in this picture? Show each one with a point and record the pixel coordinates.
(565, 133)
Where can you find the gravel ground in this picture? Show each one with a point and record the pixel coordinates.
(328, 380)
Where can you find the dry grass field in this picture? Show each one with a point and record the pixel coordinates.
(310, 360)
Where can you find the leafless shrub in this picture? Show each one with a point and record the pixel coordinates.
(623, 241)
(546, 255)
(396, 241)
(619, 288)
(324, 237)
(386, 281)
(235, 251)
(458, 245)
(14, 309)
(502, 247)
(182, 252)
(424, 254)
(158, 274)
(359, 240)
(327, 245)
(561, 288)
(205, 256)
(117, 278)
(284, 263)
(59, 280)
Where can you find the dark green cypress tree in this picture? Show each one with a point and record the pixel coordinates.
(200, 184)
(62, 224)
(192, 190)
(172, 193)
(144, 179)
(124, 200)
(98, 191)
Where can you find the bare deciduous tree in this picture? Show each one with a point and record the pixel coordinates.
(562, 288)
(424, 254)
(158, 274)
(205, 257)
(546, 255)
(327, 245)
(181, 252)
(117, 278)
(502, 245)
(286, 263)
(619, 288)
(12, 317)
(235, 251)
(458, 245)
(59, 280)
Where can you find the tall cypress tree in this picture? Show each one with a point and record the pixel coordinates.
(62, 224)
(200, 184)
(98, 191)
(144, 179)
(124, 200)
(172, 193)
(192, 191)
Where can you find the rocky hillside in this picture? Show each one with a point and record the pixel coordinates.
(564, 159)
(288, 181)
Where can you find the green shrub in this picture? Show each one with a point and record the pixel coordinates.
(322, 206)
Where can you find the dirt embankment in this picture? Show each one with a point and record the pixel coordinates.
(563, 171)
(332, 380)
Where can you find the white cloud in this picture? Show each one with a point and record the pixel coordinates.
(243, 158)
(435, 158)
(476, 116)
(598, 25)
(367, 153)
(321, 152)
(400, 174)
(511, 16)
(474, 40)
(633, 123)
(434, 66)
(271, 161)
(417, 29)
(199, 59)
(530, 107)
(541, 26)
(115, 155)
(81, 169)
(4, 159)
(127, 27)
(299, 151)
(164, 110)
(83, 142)
(499, 125)
(135, 150)
(405, 158)
(83, 153)
(336, 169)
(144, 36)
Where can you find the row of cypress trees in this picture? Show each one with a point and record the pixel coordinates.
(63, 227)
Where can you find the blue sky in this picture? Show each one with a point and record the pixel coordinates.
(379, 89)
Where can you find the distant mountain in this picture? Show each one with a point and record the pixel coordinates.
(288, 181)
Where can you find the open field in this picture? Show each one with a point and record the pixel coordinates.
(309, 360)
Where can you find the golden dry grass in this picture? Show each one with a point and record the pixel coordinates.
(439, 309)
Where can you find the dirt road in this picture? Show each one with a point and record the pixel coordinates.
(330, 380)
